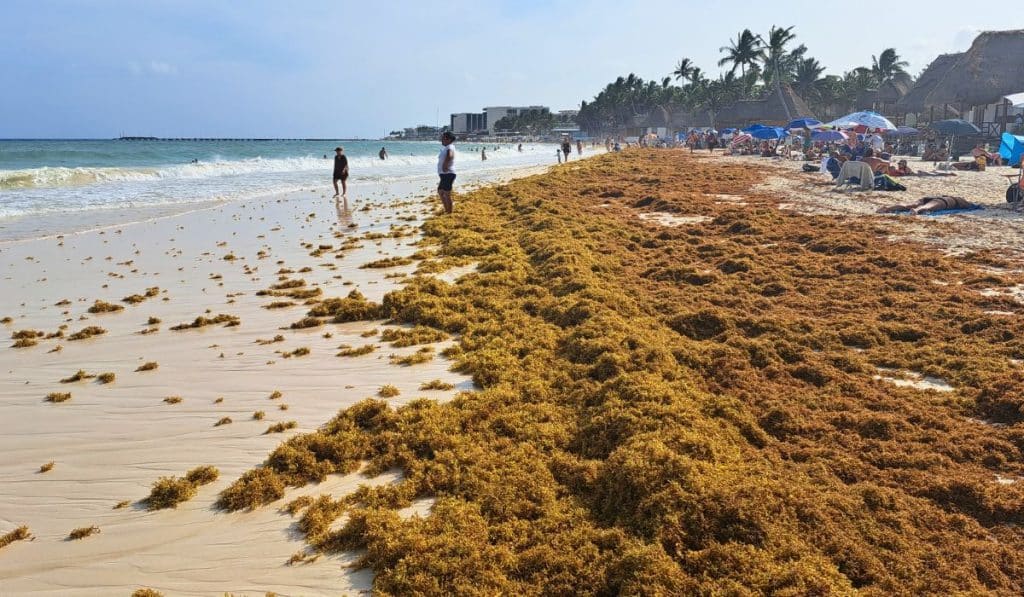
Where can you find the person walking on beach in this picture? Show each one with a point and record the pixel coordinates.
(446, 170)
(579, 147)
(566, 148)
(340, 171)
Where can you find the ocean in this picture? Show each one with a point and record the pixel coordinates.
(95, 182)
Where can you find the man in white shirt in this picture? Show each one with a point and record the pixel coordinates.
(446, 170)
(876, 142)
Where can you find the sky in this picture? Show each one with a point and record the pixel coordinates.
(343, 69)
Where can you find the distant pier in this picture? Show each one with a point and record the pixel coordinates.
(212, 139)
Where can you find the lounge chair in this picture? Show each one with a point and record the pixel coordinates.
(858, 170)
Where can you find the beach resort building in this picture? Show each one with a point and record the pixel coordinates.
(469, 123)
(496, 113)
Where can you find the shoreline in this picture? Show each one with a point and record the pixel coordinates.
(109, 442)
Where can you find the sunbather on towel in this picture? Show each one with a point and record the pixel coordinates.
(927, 205)
(902, 169)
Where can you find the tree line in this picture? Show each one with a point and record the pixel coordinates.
(760, 62)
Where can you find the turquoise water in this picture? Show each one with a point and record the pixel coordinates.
(41, 177)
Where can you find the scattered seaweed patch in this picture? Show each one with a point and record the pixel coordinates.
(134, 299)
(275, 395)
(222, 421)
(354, 307)
(149, 366)
(26, 338)
(298, 504)
(202, 321)
(369, 333)
(436, 384)
(47, 467)
(19, 534)
(104, 307)
(298, 352)
(423, 355)
(105, 378)
(87, 332)
(418, 335)
(82, 533)
(79, 375)
(121, 505)
(154, 321)
(388, 391)
(279, 305)
(306, 322)
(258, 415)
(146, 592)
(173, 399)
(347, 351)
(58, 396)
(274, 340)
(24, 343)
(168, 492)
(386, 263)
(253, 489)
(281, 427)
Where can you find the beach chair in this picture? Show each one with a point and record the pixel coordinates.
(858, 170)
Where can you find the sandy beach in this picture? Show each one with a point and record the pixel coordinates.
(111, 441)
(688, 374)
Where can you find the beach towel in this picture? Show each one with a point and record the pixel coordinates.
(858, 170)
(953, 211)
(884, 182)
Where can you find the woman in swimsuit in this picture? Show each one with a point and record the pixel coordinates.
(926, 205)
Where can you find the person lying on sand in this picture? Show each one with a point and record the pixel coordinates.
(926, 205)
(902, 169)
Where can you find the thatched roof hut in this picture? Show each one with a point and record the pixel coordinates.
(777, 107)
(992, 68)
(917, 98)
(893, 90)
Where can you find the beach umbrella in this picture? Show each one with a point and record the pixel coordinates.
(754, 127)
(868, 119)
(1011, 147)
(904, 131)
(1016, 100)
(804, 123)
(828, 136)
(955, 127)
(741, 138)
(770, 133)
(728, 131)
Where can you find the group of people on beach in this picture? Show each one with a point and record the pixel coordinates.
(445, 169)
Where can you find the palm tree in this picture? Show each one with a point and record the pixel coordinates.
(887, 66)
(684, 70)
(807, 78)
(774, 53)
(745, 50)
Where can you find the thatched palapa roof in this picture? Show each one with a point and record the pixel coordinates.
(992, 68)
(917, 98)
(777, 107)
(893, 90)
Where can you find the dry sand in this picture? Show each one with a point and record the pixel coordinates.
(998, 225)
(110, 442)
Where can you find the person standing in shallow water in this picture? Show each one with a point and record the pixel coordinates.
(446, 170)
(340, 171)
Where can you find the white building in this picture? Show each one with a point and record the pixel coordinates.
(496, 113)
(469, 122)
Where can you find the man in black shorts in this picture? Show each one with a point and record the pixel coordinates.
(446, 170)
(340, 171)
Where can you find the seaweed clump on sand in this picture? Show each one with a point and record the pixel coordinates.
(87, 332)
(26, 338)
(19, 534)
(418, 335)
(104, 307)
(146, 592)
(354, 307)
(202, 321)
(168, 492)
(83, 532)
(681, 410)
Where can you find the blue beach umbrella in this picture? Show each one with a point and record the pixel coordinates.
(769, 133)
(1011, 147)
(872, 120)
(828, 136)
(754, 127)
(804, 123)
(954, 126)
(904, 131)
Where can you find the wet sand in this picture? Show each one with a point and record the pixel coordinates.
(110, 442)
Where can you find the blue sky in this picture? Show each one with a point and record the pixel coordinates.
(76, 68)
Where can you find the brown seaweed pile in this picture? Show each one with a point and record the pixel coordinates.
(685, 410)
